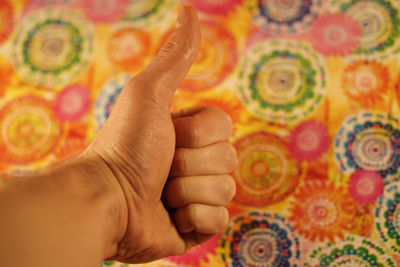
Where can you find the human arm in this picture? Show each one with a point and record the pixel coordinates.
(106, 204)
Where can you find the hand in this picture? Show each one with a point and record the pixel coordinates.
(199, 187)
(137, 153)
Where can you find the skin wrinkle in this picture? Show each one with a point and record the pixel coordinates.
(132, 154)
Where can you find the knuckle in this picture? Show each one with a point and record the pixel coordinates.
(226, 120)
(222, 219)
(180, 47)
(223, 122)
(192, 215)
(214, 109)
(168, 47)
(229, 158)
(229, 127)
(228, 188)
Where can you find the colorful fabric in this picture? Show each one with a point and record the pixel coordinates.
(312, 86)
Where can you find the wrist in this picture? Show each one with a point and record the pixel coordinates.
(71, 210)
(94, 183)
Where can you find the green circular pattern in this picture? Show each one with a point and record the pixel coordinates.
(52, 47)
(282, 81)
(379, 22)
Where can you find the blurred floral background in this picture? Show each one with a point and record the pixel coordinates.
(312, 87)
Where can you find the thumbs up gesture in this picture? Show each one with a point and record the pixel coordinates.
(169, 171)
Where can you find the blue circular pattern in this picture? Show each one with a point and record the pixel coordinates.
(387, 217)
(286, 17)
(107, 98)
(352, 251)
(369, 141)
(260, 239)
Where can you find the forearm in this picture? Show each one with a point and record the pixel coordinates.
(61, 217)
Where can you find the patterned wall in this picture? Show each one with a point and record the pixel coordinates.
(312, 87)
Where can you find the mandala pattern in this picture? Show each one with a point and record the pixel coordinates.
(282, 81)
(321, 211)
(216, 60)
(150, 13)
(366, 186)
(369, 141)
(52, 47)
(387, 217)
(29, 130)
(72, 103)
(309, 140)
(197, 254)
(335, 34)
(366, 82)
(285, 17)
(353, 251)
(105, 10)
(6, 19)
(216, 7)
(312, 87)
(266, 173)
(128, 47)
(260, 239)
(379, 22)
(107, 97)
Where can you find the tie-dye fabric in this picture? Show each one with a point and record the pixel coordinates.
(312, 86)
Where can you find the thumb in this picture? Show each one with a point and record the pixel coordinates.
(164, 74)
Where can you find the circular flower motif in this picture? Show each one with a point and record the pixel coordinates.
(321, 211)
(150, 12)
(353, 251)
(387, 217)
(6, 19)
(282, 81)
(216, 60)
(309, 140)
(105, 10)
(52, 47)
(379, 22)
(107, 97)
(198, 253)
(72, 102)
(260, 239)
(335, 34)
(366, 186)
(285, 17)
(215, 7)
(366, 82)
(29, 130)
(128, 47)
(369, 141)
(265, 173)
